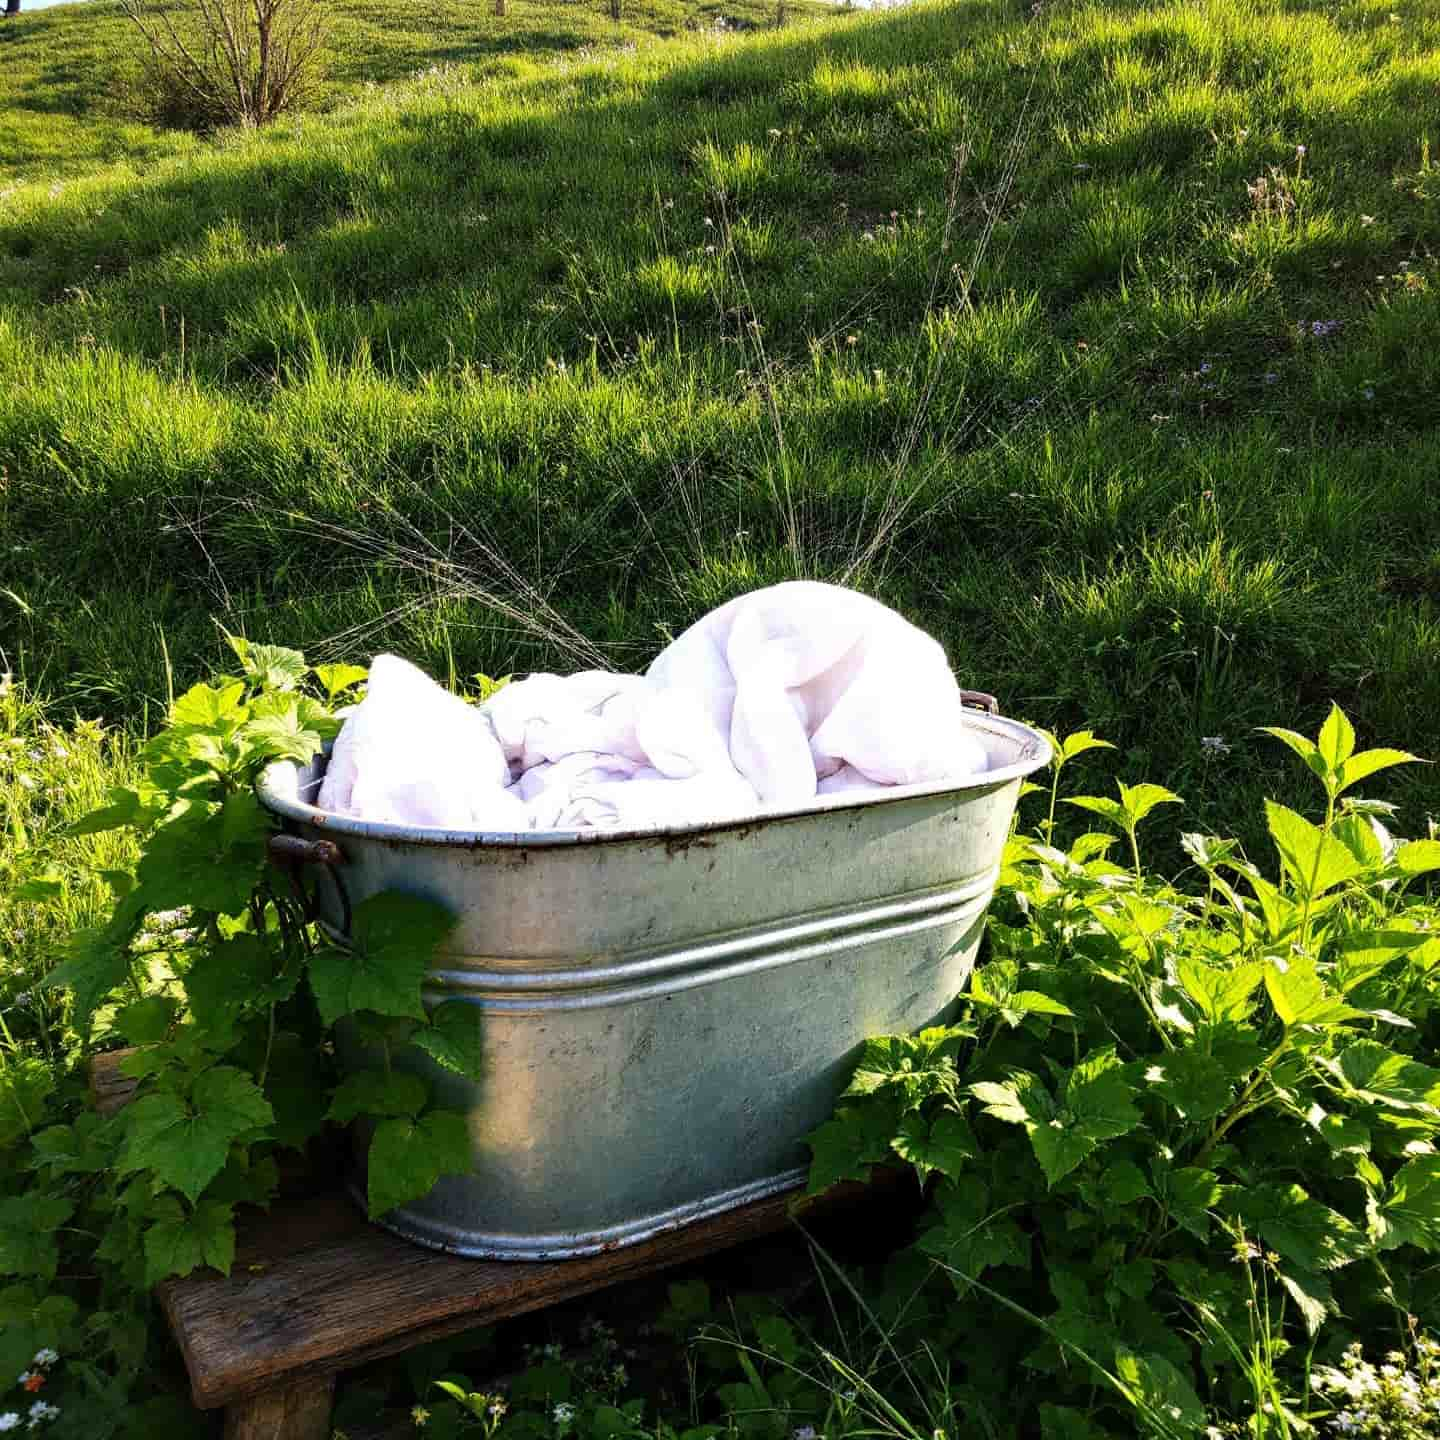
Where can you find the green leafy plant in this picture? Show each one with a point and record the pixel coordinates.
(1147, 1083)
(207, 966)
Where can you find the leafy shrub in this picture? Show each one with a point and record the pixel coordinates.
(1149, 1085)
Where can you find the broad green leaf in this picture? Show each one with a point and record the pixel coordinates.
(1364, 953)
(376, 1093)
(394, 938)
(27, 1233)
(1219, 995)
(848, 1144)
(1106, 809)
(1311, 1294)
(1315, 862)
(225, 978)
(1337, 738)
(1188, 1193)
(944, 1143)
(1301, 1230)
(204, 860)
(1307, 750)
(1161, 1391)
(1079, 743)
(207, 706)
(1300, 997)
(408, 1156)
(1206, 850)
(180, 1239)
(1371, 762)
(186, 1144)
(269, 667)
(143, 1022)
(1140, 800)
(1373, 1073)
(1417, 857)
(1357, 834)
(1344, 1134)
(1195, 1084)
(1411, 1213)
(972, 1235)
(95, 964)
(1096, 1106)
(455, 1038)
(280, 733)
(339, 678)
(911, 1068)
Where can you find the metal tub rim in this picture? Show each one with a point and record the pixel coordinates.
(279, 791)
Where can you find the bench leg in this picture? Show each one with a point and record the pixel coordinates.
(298, 1411)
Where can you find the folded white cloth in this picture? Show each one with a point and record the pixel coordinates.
(782, 695)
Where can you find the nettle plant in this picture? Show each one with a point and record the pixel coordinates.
(209, 966)
(1146, 1085)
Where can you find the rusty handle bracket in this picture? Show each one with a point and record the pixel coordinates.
(979, 700)
(291, 853)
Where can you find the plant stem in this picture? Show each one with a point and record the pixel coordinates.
(1238, 1110)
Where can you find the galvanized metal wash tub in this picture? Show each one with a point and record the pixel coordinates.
(665, 1014)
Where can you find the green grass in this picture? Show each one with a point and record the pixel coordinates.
(535, 359)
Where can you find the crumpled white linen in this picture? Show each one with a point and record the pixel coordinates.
(789, 693)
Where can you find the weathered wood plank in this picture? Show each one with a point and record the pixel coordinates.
(316, 1289)
(301, 1411)
(109, 1089)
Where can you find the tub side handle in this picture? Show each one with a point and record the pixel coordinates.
(979, 700)
(291, 853)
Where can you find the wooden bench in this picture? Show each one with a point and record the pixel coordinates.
(315, 1289)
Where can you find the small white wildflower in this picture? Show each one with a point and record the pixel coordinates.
(563, 1414)
(45, 1357)
(10, 1420)
(805, 1432)
(42, 1410)
(1214, 745)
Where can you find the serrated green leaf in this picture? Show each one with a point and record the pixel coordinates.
(904, 1066)
(1219, 994)
(192, 862)
(186, 1144)
(408, 1156)
(944, 1143)
(1195, 1084)
(338, 678)
(1312, 1296)
(226, 978)
(393, 941)
(1344, 1134)
(972, 1235)
(455, 1038)
(1357, 834)
(1417, 857)
(1337, 738)
(96, 963)
(1106, 809)
(208, 706)
(1139, 800)
(280, 733)
(1161, 1391)
(1309, 1235)
(146, 1021)
(1411, 1213)
(1307, 750)
(1079, 742)
(269, 667)
(1315, 862)
(27, 1233)
(1300, 997)
(849, 1143)
(180, 1240)
(376, 1093)
(1371, 1072)
(1371, 762)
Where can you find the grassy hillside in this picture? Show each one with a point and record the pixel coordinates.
(72, 95)
(1104, 341)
